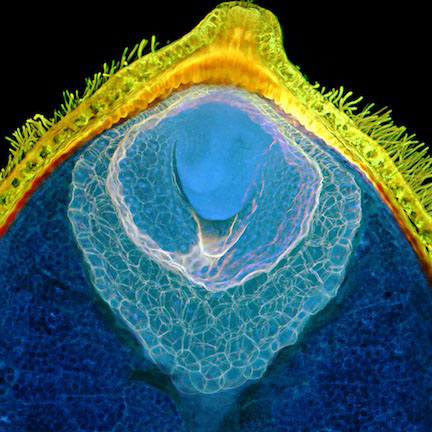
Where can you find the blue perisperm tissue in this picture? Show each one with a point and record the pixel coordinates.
(215, 229)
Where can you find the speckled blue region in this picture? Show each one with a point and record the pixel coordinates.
(364, 363)
(62, 366)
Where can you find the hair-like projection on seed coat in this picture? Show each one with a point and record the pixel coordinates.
(215, 229)
(204, 240)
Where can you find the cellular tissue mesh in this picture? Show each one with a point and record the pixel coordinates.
(215, 229)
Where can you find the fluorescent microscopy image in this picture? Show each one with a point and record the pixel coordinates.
(214, 310)
(205, 241)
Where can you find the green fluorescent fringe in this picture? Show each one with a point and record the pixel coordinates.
(24, 138)
(410, 157)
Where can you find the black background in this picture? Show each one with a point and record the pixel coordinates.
(381, 54)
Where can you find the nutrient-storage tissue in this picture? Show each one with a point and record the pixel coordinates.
(203, 240)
